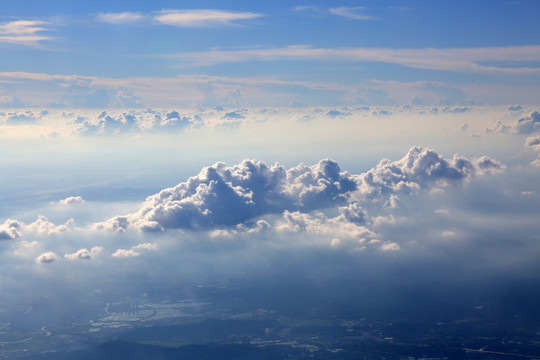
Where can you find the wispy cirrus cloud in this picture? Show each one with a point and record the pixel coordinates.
(354, 13)
(193, 18)
(24, 32)
(202, 17)
(119, 18)
(468, 60)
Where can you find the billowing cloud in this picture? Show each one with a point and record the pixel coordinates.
(132, 122)
(71, 200)
(14, 229)
(24, 117)
(223, 196)
(533, 142)
(525, 125)
(202, 17)
(135, 250)
(10, 229)
(84, 254)
(47, 257)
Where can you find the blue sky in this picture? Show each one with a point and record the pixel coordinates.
(350, 48)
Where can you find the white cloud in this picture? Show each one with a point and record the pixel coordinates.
(355, 13)
(24, 32)
(119, 18)
(133, 121)
(10, 230)
(84, 254)
(391, 246)
(25, 117)
(43, 226)
(528, 124)
(47, 257)
(71, 200)
(135, 250)
(533, 142)
(202, 17)
(468, 60)
(222, 196)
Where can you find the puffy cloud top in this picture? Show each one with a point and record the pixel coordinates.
(10, 230)
(71, 200)
(226, 196)
(420, 168)
(223, 195)
(525, 125)
(47, 257)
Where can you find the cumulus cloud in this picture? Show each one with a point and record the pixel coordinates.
(135, 250)
(533, 142)
(10, 230)
(226, 196)
(71, 200)
(132, 121)
(525, 125)
(420, 169)
(42, 225)
(14, 229)
(47, 257)
(486, 165)
(84, 254)
(24, 117)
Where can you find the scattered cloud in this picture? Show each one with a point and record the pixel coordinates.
(354, 13)
(24, 117)
(525, 125)
(135, 250)
(84, 254)
(24, 32)
(119, 18)
(10, 230)
(203, 17)
(47, 257)
(71, 200)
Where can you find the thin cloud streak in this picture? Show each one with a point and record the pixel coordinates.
(23, 32)
(469, 60)
(354, 13)
(202, 18)
(119, 18)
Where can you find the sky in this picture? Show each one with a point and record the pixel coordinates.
(165, 138)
